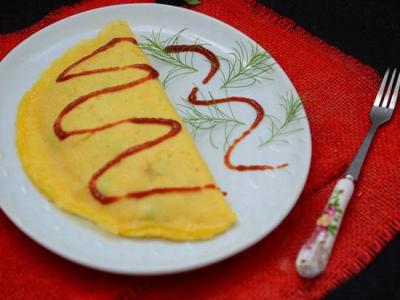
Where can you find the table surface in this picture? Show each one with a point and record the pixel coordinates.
(367, 30)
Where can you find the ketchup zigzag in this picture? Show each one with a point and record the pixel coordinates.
(174, 126)
(252, 103)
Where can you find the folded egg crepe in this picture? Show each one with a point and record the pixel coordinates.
(99, 137)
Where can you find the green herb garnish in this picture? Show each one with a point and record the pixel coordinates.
(293, 108)
(249, 65)
(209, 119)
(182, 63)
(193, 2)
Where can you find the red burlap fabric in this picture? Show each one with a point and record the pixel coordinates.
(337, 92)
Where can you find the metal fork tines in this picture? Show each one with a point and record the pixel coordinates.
(384, 90)
(381, 112)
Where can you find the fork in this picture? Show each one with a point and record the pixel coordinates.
(314, 254)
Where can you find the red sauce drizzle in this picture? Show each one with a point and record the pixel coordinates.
(174, 126)
(259, 116)
(253, 103)
(201, 50)
(282, 166)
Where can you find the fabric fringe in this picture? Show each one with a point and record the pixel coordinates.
(257, 8)
(361, 261)
(15, 38)
(388, 231)
(290, 26)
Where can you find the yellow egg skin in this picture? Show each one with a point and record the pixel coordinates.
(62, 169)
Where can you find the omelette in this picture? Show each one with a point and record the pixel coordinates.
(98, 136)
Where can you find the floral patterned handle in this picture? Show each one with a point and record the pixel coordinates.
(314, 255)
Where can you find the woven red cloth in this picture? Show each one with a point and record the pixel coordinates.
(337, 92)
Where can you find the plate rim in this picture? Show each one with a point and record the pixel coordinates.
(190, 266)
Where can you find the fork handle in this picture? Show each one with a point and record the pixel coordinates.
(314, 254)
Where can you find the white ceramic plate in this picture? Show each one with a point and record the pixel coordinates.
(261, 199)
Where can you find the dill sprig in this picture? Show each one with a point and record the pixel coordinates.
(293, 112)
(182, 63)
(210, 119)
(174, 73)
(193, 2)
(249, 65)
